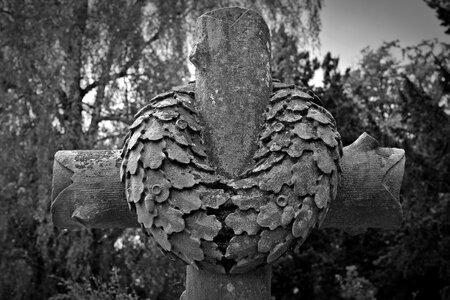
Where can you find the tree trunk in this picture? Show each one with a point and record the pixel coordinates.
(74, 66)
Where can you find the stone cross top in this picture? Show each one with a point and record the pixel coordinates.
(230, 173)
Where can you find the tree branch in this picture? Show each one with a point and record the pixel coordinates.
(123, 71)
(118, 118)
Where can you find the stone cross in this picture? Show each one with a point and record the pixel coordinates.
(268, 150)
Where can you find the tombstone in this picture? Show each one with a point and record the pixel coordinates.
(231, 172)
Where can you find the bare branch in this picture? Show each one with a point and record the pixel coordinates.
(123, 72)
(119, 118)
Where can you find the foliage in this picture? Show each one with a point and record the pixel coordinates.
(95, 290)
(355, 287)
(73, 74)
(442, 8)
(400, 96)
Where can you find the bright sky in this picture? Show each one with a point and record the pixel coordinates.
(350, 25)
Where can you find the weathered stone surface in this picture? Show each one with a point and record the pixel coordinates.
(186, 201)
(90, 179)
(376, 171)
(233, 85)
(203, 226)
(186, 247)
(243, 221)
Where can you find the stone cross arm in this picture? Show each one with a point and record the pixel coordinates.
(87, 191)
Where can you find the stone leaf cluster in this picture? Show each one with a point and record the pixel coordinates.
(231, 225)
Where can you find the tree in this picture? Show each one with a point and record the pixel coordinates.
(73, 75)
(442, 9)
(400, 96)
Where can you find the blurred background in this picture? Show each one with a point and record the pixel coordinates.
(73, 74)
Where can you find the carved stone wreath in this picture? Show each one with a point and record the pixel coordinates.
(231, 225)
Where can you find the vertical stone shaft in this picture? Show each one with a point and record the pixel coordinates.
(233, 83)
(202, 285)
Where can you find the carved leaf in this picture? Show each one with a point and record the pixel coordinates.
(149, 203)
(281, 95)
(170, 219)
(212, 256)
(304, 130)
(212, 198)
(186, 200)
(301, 225)
(135, 137)
(143, 216)
(322, 196)
(269, 238)
(203, 177)
(137, 123)
(175, 152)
(166, 115)
(289, 117)
(269, 216)
(161, 96)
(180, 138)
(281, 86)
(327, 135)
(270, 129)
(280, 141)
(323, 158)
(298, 105)
(153, 155)
(156, 183)
(203, 226)
(241, 246)
(261, 152)
(179, 177)
(269, 162)
(304, 220)
(160, 237)
(123, 169)
(254, 199)
(186, 247)
(241, 221)
(287, 215)
(211, 250)
(199, 150)
(318, 116)
(202, 166)
(166, 103)
(153, 131)
(279, 250)
(300, 94)
(305, 175)
(182, 91)
(297, 147)
(274, 110)
(244, 183)
(133, 159)
(279, 175)
(145, 111)
(334, 184)
(191, 122)
(136, 186)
